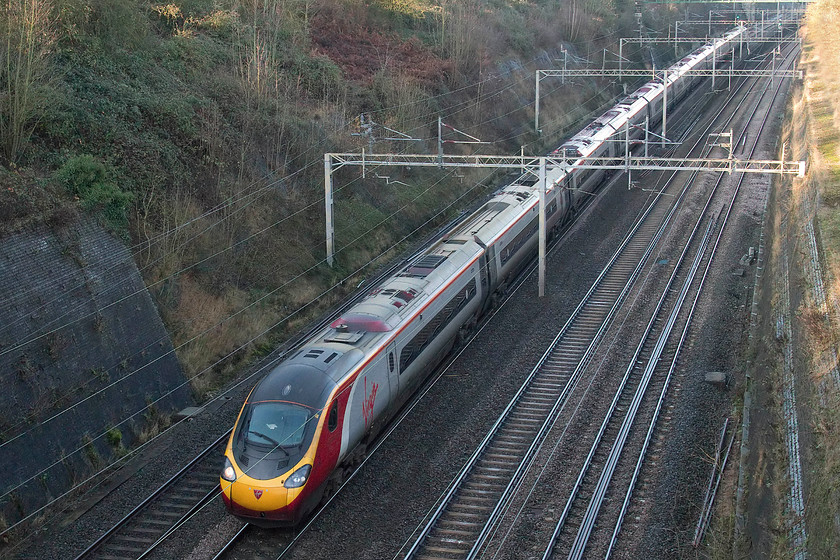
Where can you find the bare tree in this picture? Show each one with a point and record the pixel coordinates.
(27, 36)
(458, 34)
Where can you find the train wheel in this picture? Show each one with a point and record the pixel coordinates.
(333, 483)
(464, 333)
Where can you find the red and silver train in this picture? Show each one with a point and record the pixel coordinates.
(317, 410)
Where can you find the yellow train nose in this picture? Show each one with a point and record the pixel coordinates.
(264, 502)
(260, 495)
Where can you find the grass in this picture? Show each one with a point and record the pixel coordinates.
(114, 437)
(92, 456)
(818, 333)
(155, 422)
(824, 502)
(817, 327)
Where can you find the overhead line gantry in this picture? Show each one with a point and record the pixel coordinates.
(538, 167)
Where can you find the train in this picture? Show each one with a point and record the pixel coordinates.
(311, 418)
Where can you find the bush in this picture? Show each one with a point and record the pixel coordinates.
(87, 178)
(114, 437)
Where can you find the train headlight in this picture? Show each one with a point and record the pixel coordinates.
(298, 477)
(227, 472)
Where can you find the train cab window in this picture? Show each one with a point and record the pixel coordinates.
(332, 420)
(391, 362)
(275, 424)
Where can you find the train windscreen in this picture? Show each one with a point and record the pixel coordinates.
(276, 424)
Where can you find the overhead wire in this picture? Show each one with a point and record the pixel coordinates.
(508, 87)
(118, 259)
(216, 254)
(143, 246)
(146, 244)
(210, 329)
(18, 345)
(164, 337)
(135, 293)
(32, 339)
(254, 338)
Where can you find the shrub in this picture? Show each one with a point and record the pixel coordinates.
(87, 178)
(114, 437)
(156, 422)
(90, 451)
(111, 22)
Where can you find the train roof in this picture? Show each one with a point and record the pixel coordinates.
(389, 305)
(295, 381)
(511, 201)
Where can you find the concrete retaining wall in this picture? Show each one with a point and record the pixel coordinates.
(82, 351)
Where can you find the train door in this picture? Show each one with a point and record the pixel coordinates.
(492, 269)
(574, 189)
(393, 364)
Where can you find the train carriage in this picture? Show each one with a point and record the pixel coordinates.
(319, 408)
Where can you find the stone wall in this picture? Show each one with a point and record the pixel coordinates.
(83, 353)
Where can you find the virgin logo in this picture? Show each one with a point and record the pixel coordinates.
(367, 403)
(258, 494)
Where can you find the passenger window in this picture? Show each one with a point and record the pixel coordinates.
(332, 421)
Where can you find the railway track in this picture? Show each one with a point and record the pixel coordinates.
(652, 361)
(139, 532)
(466, 515)
(250, 542)
(469, 512)
(537, 410)
(643, 379)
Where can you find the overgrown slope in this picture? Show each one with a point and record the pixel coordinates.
(196, 130)
(818, 195)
